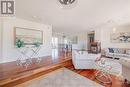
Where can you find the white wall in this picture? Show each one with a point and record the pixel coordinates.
(59, 36)
(82, 40)
(103, 35)
(9, 52)
(98, 34)
(0, 40)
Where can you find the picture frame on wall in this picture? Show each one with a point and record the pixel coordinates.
(122, 37)
(28, 36)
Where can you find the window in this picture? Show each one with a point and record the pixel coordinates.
(54, 42)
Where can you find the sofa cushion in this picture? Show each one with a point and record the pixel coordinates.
(125, 62)
(127, 55)
(119, 55)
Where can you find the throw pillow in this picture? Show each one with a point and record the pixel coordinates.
(115, 50)
(128, 52)
(111, 50)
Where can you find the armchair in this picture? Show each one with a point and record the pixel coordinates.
(83, 60)
(125, 68)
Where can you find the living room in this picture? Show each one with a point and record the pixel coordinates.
(64, 43)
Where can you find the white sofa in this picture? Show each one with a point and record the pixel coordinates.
(83, 60)
(117, 52)
(125, 68)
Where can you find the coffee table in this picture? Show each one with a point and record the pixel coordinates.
(102, 74)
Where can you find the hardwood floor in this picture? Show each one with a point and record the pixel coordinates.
(12, 74)
(90, 74)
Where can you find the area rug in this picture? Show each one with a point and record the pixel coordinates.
(116, 66)
(61, 78)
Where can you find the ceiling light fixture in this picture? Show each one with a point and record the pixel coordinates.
(67, 4)
(114, 30)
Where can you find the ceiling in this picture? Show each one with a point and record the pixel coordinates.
(87, 15)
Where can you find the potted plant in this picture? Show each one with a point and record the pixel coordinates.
(19, 43)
